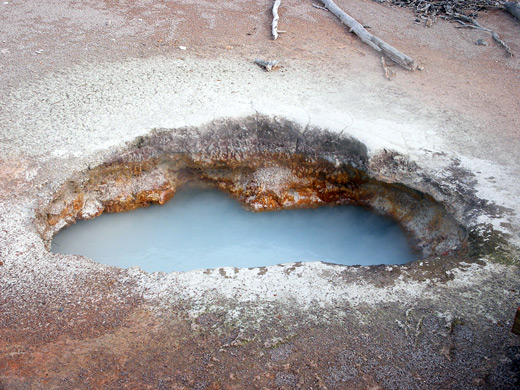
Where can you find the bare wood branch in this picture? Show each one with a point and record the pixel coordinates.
(370, 39)
(497, 38)
(476, 25)
(275, 18)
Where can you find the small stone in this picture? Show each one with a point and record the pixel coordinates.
(183, 47)
(4, 51)
(481, 42)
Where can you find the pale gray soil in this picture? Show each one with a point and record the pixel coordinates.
(81, 79)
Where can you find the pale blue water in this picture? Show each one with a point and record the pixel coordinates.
(205, 228)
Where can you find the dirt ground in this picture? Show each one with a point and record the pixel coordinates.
(80, 79)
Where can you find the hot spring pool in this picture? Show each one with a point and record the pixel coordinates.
(204, 228)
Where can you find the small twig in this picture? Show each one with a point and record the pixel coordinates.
(267, 65)
(497, 38)
(319, 7)
(464, 25)
(389, 73)
(275, 18)
(463, 18)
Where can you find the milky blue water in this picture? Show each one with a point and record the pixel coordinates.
(203, 228)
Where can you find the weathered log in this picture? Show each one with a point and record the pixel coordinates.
(275, 18)
(370, 39)
(513, 8)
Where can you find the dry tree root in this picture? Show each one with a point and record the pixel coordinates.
(370, 39)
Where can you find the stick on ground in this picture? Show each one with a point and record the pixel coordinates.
(463, 20)
(389, 73)
(275, 18)
(370, 39)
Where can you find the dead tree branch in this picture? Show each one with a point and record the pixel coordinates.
(463, 20)
(370, 39)
(275, 18)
